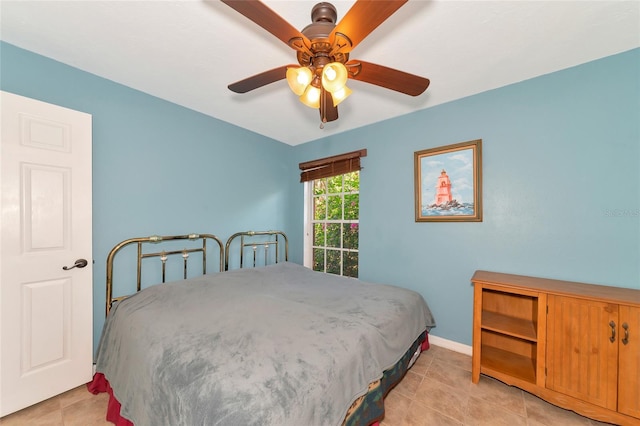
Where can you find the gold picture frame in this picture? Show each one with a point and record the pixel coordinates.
(448, 183)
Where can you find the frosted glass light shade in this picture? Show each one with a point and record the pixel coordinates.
(299, 79)
(311, 97)
(334, 76)
(340, 95)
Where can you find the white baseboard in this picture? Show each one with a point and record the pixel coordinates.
(450, 344)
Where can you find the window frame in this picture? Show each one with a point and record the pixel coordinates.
(336, 165)
(309, 222)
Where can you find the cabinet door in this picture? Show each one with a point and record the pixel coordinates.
(582, 361)
(629, 370)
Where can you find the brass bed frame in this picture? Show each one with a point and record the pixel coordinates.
(256, 242)
(262, 246)
(163, 255)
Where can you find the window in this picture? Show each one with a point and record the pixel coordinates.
(334, 224)
(332, 212)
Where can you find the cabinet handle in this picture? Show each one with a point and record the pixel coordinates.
(613, 331)
(625, 340)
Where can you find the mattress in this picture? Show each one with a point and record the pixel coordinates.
(279, 345)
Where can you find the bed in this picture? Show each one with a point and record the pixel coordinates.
(268, 343)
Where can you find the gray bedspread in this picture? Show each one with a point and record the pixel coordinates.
(278, 345)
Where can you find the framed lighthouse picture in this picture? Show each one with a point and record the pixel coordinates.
(448, 183)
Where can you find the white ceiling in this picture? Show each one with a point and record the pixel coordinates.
(188, 51)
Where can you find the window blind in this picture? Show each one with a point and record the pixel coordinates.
(332, 166)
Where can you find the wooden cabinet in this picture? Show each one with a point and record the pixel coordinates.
(580, 350)
(575, 345)
(629, 366)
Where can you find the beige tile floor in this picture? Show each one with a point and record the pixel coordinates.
(436, 391)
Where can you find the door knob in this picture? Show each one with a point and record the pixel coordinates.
(80, 263)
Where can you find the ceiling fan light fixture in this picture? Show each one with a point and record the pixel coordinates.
(299, 79)
(311, 97)
(340, 95)
(323, 48)
(334, 76)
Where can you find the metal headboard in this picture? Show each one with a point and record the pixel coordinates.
(163, 255)
(264, 246)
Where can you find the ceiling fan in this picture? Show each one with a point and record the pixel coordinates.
(323, 48)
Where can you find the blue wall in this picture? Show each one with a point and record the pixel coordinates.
(159, 168)
(561, 179)
(561, 184)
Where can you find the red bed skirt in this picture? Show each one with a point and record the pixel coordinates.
(100, 384)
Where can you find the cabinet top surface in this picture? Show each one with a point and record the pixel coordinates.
(606, 293)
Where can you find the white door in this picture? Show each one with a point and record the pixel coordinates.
(45, 221)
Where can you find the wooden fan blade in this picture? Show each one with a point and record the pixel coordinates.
(262, 15)
(388, 78)
(259, 80)
(364, 17)
(328, 112)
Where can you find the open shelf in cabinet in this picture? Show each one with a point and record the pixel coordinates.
(510, 313)
(509, 355)
(508, 363)
(507, 326)
(517, 327)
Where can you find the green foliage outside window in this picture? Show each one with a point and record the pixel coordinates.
(336, 223)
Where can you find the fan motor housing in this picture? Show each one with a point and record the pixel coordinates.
(323, 20)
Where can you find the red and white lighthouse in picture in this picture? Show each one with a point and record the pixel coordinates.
(443, 189)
